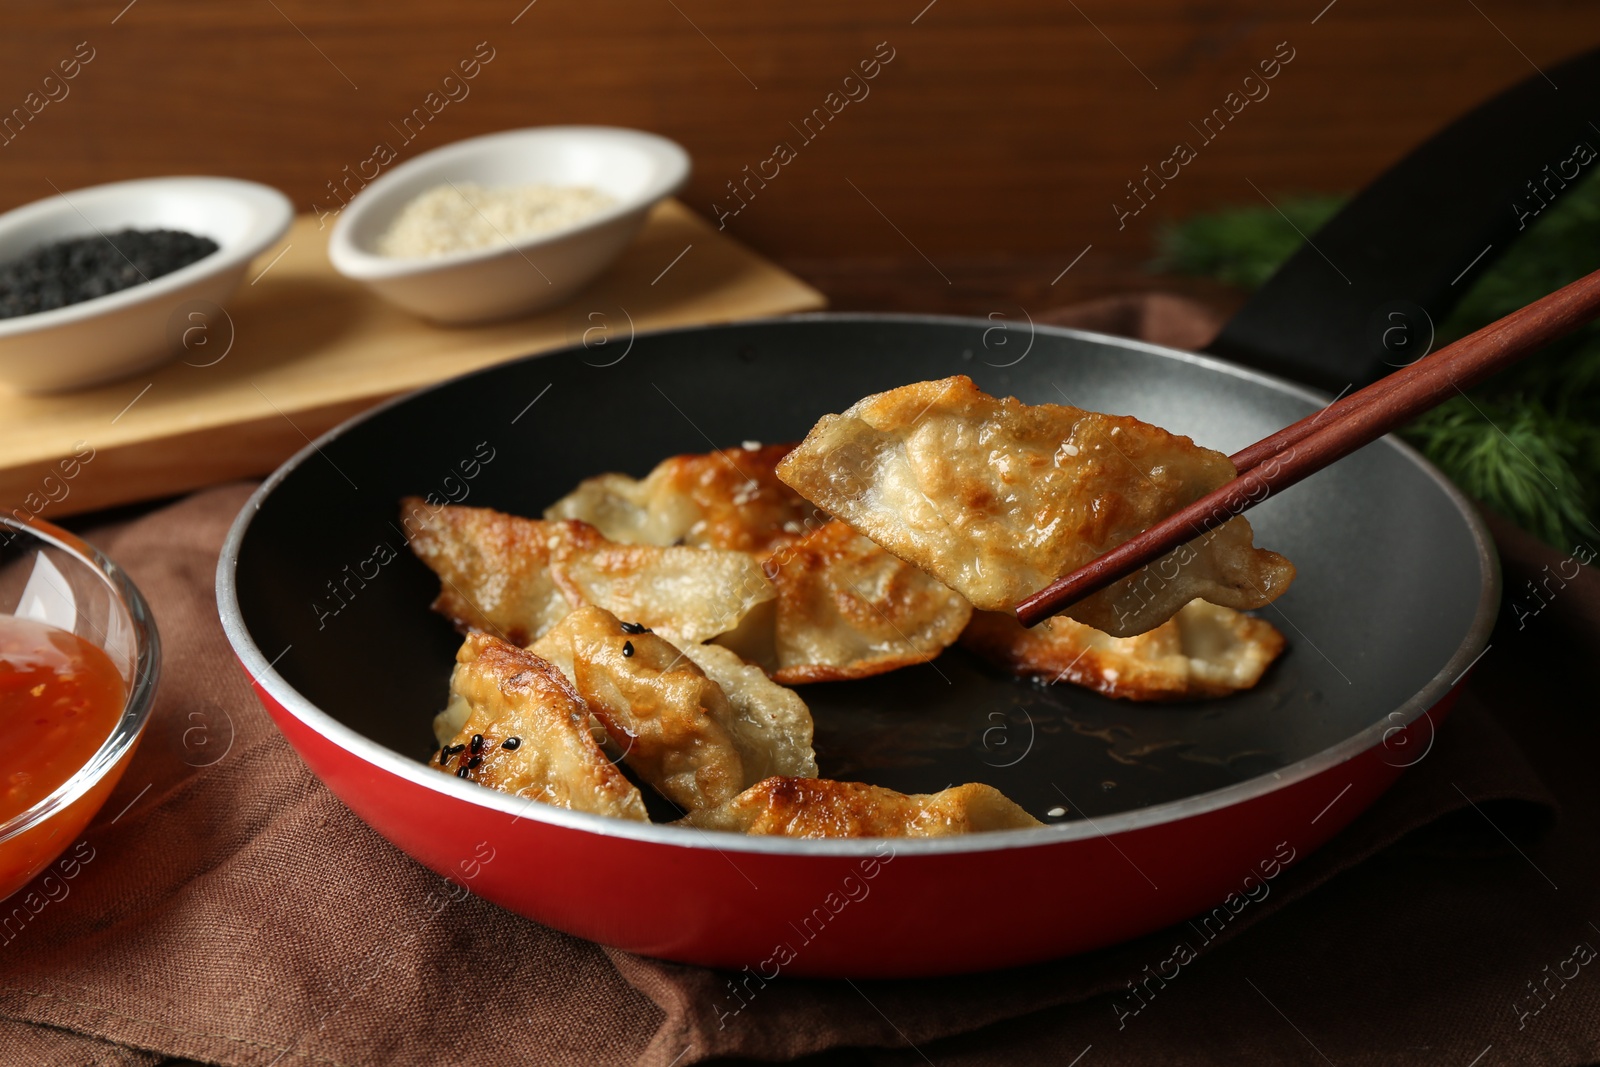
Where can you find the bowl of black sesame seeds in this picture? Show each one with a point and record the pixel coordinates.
(91, 280)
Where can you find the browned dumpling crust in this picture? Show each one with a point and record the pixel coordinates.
(516, 577)
(728, 499)
(848, 609)
(1202, 651)
(845, 608)
(819, 807)
(997, 498)
(494, 569)
(526, 732)
(673, 725)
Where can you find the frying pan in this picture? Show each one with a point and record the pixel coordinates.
(1156, 814)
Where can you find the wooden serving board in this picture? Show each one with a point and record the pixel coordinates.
(311, 348)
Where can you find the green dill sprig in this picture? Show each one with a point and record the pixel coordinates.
(1526, 442)
(1241, 246)
(1515, 456)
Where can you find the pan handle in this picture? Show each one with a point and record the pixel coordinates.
(1364, 294)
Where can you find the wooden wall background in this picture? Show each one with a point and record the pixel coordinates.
(985, 158)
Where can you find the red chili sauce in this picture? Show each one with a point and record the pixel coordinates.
(60, 697)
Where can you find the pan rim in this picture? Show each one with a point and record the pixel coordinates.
(382, 758)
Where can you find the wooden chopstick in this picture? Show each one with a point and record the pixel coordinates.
(1251, 455)
(1305, 447)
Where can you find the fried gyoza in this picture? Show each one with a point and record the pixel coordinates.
(847, 609)
(677, 727)
(1202, 651)
(997, 498)
(725, 499)
(672, 723)
(518, 577)
(818, 807)
(513, 698)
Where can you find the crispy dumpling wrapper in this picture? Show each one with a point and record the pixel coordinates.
(847, 609)
(996, 499)
(673, 725)
(688, 594)
(517, 578)
(494, 569)
(819, 807)
(697, 734)
(772, 724)
(730, 499)
(449, 722)
(1203, 651)
(508, 692)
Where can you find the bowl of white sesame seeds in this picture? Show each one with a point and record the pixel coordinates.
(505, 224)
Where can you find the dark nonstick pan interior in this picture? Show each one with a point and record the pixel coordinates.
(1391, 572)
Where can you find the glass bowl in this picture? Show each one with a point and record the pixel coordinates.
(52, 576)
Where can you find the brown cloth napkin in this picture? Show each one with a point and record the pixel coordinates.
(232, 911)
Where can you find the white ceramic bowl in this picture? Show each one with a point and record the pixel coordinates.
(637, 169)
(118, 334)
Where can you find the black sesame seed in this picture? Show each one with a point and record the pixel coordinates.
(472, 764)
(444, 755)
(477, 742)
(635, 628)
(511, 743)
(461, 772)
(81, 268)
(627, 648)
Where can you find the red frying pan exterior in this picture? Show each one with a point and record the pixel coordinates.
(899, 910)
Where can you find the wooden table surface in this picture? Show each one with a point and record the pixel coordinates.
(987, 152)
